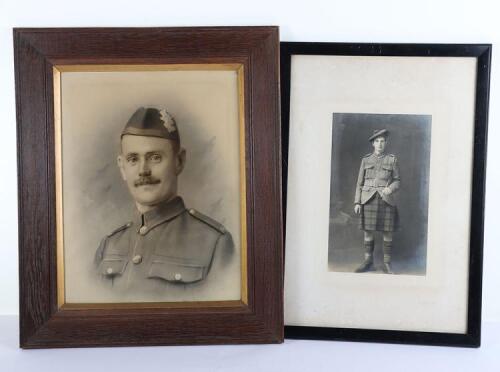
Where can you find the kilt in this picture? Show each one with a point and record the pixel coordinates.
(377, 215)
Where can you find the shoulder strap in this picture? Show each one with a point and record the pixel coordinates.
(212, 223)
(123, 227)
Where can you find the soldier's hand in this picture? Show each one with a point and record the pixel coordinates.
(387, 191)
(357, 208)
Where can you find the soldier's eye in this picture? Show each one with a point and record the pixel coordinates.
(155, 158)
(132, 159)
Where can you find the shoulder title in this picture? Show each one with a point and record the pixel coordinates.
(367, 155)
(210, 222)
(123, 227)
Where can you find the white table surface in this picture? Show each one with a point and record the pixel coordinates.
(293, 355)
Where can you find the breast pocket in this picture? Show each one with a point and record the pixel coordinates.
(112, 267)
(369, 171)
(386, 171)
(176, 272)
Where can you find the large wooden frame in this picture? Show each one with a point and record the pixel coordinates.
(40, 55)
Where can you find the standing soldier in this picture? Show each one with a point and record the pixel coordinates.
(378, 180)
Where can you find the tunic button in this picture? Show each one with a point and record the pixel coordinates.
(143, 230)
(178, 276)
(137, 259)
(109, 270)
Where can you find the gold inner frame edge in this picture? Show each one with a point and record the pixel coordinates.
(57, 80)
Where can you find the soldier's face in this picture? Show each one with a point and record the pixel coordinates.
(150, 166)
(379, 144)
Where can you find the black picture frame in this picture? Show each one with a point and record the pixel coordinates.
(472, 337)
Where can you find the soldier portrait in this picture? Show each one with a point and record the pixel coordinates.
(380, 161)
(378, 180)
(379, 193)
(152, 186)
(165, 243)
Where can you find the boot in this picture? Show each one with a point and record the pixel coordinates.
(387, 257)
(368, 262)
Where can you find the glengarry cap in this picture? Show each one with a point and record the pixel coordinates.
(152, 122)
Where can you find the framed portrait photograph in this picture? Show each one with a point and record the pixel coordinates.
(140, 154)
(384, 153)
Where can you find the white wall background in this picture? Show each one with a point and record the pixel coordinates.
(423, 21)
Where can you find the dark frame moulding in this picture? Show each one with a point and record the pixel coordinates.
(472, 337)
(42, 322)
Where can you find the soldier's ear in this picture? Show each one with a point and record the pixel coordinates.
(180, 161)
(119, 161)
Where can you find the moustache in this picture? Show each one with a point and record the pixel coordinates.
(147, 180)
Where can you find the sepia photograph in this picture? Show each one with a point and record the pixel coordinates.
(151, 171)
(379, 193)
(149, 188)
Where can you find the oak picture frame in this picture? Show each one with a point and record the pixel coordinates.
(45, 321)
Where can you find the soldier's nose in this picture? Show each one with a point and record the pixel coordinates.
(145, 173)
(144, 169)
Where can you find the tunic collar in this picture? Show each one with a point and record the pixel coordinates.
(379, 156)
(163, 212)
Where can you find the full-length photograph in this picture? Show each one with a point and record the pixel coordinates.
(384, 190)
(379, 193)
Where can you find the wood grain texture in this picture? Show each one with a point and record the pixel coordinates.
(42, 324)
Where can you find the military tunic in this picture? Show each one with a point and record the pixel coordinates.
(378, 210)
(169, 245)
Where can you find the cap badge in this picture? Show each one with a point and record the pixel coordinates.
(168, 121)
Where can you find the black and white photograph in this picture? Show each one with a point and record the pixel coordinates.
(379, 193)
(382, 214)
(151, 171)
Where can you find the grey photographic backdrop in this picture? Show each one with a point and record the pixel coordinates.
(410, 141)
